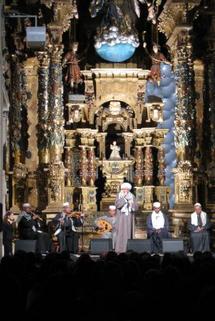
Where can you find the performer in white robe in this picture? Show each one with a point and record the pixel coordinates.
(199, 227)
(111, 219)
(126, 205)
(157, 227)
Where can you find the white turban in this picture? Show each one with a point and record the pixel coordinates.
(156, 204)
(126, 185)
(26, 205)
(197, 205)
(112, 207)
(66, 204)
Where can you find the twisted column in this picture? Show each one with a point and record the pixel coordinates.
(148, 166)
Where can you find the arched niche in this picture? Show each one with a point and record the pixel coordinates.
(115, 112)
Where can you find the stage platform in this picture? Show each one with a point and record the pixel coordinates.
(190, 256)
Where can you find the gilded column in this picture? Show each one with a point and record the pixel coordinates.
(148, 166)
(128, 137)
(148, 188)
(175, 22)
(83, 165)
(43, 112)
(42, 127)
(31, 159)
(161, 166)
(210, 109)
(17, 115)
(55, 128)
(63, 11)
(138, 174)
(91, 166)
(185, 107)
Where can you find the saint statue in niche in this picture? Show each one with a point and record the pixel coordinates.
(115, 151)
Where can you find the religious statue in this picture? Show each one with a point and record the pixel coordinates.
(73, 73)
(157, 57)
(115, 151)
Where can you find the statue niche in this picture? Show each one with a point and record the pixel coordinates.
(115, 112)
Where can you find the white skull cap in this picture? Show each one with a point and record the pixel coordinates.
(156, 204)
(197, 205)
(112, 207)
(26, 205)
(66, 204)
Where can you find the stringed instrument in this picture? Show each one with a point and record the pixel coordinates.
(103, 225)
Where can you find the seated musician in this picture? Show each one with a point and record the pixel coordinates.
(106, 225)
(157, 227)
(29, 227)
(65, 229)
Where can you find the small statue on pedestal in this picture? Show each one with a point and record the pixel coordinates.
(115, 151)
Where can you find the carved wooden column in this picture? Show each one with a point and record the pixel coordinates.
(161, 166)
(128, 137)
(148, 166)
(89, 94)
(69, 166)
(43, 112)
(174, 23)
(100, 138)
(88, 168)
(63, 11)
(138, 174)
(31, 159)
(209, 110)
(18, 99)
(91, 166)
(83, 165)
(55, 130)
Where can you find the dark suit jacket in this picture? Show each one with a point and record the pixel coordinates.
(25, 229)
(67, 227)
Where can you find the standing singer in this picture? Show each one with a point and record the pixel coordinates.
(125, 204)
(65, 229)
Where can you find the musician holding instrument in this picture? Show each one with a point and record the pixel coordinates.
(66, 223)
(105, 225)
(29, 227)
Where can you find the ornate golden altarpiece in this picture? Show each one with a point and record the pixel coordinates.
(66, 148)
